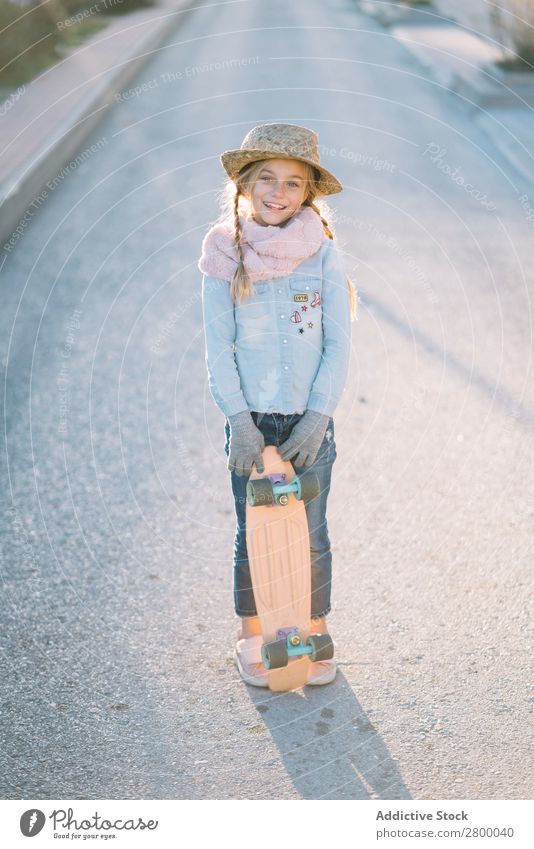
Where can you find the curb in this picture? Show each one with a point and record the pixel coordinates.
(389, 14)
(494, 87)
(22, 186)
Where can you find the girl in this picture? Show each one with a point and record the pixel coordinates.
(277, 310)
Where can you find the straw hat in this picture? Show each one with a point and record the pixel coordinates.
(280, 141)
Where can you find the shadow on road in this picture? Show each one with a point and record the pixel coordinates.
(329, 747)
(500, 397)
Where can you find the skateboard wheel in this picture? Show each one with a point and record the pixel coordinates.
(322, 647)
(309, 486)
(259, 492)
(274, 655)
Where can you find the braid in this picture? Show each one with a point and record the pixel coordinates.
(353, 294)
(237, 235)
(324, 221)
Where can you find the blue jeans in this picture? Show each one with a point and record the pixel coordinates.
(276, 428)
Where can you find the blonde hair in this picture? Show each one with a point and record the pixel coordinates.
(234, 191)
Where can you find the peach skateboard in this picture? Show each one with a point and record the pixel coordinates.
(278, 549)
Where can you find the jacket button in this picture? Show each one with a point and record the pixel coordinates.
(284, 341)
(286, 368)
(282, 316)
(279, 291)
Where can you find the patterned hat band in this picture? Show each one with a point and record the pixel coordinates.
(281, 141)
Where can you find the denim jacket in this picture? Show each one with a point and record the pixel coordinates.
(287, 347)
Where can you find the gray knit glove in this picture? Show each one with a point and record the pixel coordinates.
(305, 438)
(246, 444)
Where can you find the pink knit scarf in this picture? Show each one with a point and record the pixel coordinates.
(268, 251)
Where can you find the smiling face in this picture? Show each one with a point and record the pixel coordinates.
(279, 191)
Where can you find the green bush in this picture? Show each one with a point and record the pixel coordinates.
(33, 33)
(31, 36)
(513, 22)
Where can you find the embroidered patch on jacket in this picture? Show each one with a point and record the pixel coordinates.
(317, 300)
(300, 297)
(295, 318)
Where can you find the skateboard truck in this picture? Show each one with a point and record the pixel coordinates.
(280, 488)
(272, 490)
(289, 643)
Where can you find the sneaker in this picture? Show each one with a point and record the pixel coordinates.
(247, 656)
(322, 672)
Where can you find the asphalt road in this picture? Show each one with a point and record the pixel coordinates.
(117, 625)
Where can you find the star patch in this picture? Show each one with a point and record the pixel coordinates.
(301, 330)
